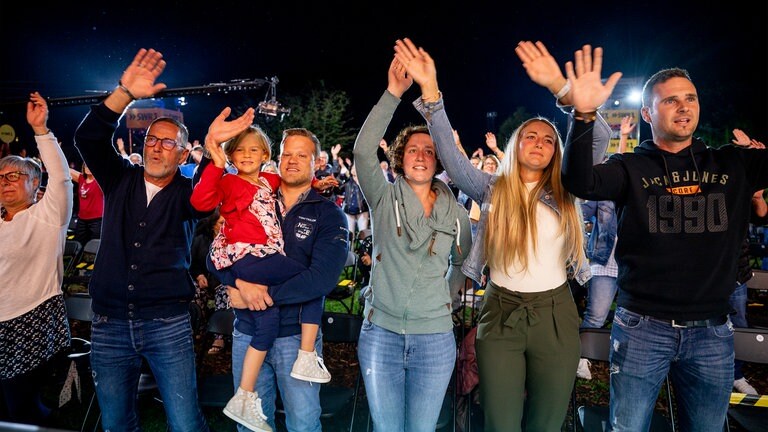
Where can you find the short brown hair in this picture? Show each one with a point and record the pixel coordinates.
(661, 77)
(397, 150)
(301, 132)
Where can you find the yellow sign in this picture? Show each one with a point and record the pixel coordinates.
(7, 134)
(613, 117)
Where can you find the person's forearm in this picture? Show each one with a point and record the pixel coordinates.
(328, 257)
(623, 143)
(93, 139)
(463, 174)
(369, 174)
(206, 194)
(75, 175)
(59, 190)
(577, 159)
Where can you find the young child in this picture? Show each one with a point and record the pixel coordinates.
(249, 246)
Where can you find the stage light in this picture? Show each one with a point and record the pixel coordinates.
(270, 106)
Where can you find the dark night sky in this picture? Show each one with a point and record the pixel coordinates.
(70, 48)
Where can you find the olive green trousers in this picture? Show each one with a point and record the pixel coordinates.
(527, 352)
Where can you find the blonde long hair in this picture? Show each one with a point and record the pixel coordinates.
(513, 214)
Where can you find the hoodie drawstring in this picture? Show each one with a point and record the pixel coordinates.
(397, 218)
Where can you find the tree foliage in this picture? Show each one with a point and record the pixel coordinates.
(321, 110)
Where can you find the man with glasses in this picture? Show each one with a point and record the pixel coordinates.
(140, 285)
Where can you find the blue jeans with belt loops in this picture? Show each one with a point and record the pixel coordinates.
(699, 361)
(117, 349)
(406, 377)
(301, 399)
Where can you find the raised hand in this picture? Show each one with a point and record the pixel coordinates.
(37, 113)
(139, 77)
(588, 92)
(740, 138)
(420, 67)
(222, 130)
(335, 151)
(540, 66)
(384, 146)
(398, 80)
(121, 146)
(626, 125)
(490, 141)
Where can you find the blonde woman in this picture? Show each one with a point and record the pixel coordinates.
(530, 231)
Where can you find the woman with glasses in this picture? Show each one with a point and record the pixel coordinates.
(33, 319)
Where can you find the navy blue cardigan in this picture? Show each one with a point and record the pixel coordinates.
(141, 269)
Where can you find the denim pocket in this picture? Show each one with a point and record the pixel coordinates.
(626, 318)
(724, 330)
(99, 319)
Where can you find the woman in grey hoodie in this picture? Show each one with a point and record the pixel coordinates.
(407, 349)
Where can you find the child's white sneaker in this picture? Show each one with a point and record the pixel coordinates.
(310, 367)
(583, 371)
(245, 408)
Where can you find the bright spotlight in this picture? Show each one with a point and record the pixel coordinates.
(635, 96)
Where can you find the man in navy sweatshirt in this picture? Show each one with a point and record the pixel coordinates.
(683, 210)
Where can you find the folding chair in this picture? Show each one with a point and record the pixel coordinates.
(757, 295)
(80, 275)
(340, 328)
(596, 346)
(749, 411)
(71, 227)
(79, 309)
(72, 252)
(348, 281)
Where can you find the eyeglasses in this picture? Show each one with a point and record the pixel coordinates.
(167, 143)
(12, 176)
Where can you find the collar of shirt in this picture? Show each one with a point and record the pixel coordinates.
(281, 199)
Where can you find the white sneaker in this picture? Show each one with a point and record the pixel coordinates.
(310, 367)
(245, 408)
(583, 370)
(743, 386)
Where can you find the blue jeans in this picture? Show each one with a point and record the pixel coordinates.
(699, 361)
(406, 377)
(738, 301)
(117, 349)
(301, 399)
(602, 290)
